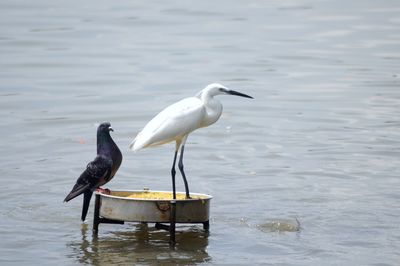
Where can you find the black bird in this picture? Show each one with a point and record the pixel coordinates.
(100, 171)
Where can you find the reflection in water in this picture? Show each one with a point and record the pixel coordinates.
(141, 244)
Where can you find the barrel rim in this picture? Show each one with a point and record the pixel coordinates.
(206, 196)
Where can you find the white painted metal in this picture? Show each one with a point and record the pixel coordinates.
(153, 210)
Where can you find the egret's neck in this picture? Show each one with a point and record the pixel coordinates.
(213, 109)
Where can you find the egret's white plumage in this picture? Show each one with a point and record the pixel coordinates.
(173, 123)
(178, 120)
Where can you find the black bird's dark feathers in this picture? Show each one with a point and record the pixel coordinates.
(87, 195)
(100, 171)
(97, 173)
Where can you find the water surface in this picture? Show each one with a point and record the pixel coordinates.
(307, 173)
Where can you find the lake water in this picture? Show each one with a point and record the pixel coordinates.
(307, 173)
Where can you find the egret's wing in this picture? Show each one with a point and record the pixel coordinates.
(175, 121)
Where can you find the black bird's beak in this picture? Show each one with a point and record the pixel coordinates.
(110, 129)
(232, 92)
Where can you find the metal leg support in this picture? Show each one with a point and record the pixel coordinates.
(172, 240)
(206, 225)
(98, 220)
(96, 217)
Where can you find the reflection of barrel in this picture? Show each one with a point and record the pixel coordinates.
(154, 206)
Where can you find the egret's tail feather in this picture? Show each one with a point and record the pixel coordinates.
(134, 146)
(137, 144)
(131, 146)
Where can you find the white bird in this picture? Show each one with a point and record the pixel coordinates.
(178, 120)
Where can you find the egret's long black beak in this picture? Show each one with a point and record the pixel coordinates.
(232, 92)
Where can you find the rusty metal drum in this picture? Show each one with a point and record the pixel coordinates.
(154, 206)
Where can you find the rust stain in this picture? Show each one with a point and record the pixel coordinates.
(108, 211)
(163, 206)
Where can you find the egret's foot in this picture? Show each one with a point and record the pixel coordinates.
(104, 191)
(188, 197)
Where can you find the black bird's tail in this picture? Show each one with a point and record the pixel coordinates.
(86, 200)
(77, 190)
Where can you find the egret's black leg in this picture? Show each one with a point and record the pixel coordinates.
(180, 165)
(173, 172)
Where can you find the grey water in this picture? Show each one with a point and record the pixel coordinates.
(307, 173)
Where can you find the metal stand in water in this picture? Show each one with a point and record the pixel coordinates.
(119, 209)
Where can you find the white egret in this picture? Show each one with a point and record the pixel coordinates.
(178, 120)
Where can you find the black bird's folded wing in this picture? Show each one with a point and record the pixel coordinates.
(94, 175)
